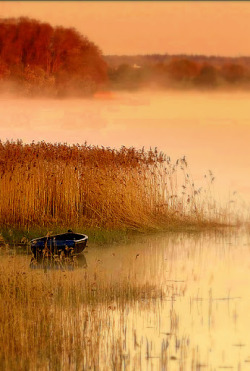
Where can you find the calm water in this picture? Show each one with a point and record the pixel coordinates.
(201, 321)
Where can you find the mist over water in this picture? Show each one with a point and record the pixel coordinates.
(211, 129)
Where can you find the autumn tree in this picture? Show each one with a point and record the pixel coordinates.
(232, 72)
(182, 69)
(207, 76)
(36, 52)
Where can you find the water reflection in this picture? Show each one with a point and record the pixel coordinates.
(55, 263)
(203, 317)
(164, 302)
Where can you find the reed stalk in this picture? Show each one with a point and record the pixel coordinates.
(43, 184)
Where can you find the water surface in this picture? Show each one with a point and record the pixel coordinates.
(201, 317)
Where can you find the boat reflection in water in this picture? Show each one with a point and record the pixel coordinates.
(58, 263)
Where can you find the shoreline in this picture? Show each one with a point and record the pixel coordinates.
(103, 237)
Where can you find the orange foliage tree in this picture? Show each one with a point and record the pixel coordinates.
(74, 62)
(232, 72)
(183, 69)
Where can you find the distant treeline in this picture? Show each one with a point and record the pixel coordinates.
(37, 58)
(181, 71)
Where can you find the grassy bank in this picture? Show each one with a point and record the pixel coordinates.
(105, 192)
(100, 236)
(97, 236)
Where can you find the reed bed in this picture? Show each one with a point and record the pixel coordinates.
(72, 320)
(160, 311)
(63, 320)
(43, 184)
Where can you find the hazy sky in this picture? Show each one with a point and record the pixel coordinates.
(212, 28)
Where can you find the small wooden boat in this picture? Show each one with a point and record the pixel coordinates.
(69, 243)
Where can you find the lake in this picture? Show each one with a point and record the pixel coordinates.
(192, 311)
(163, 302)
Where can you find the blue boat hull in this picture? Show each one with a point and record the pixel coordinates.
(69, 243)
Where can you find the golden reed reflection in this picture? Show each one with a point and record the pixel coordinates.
(59, 263)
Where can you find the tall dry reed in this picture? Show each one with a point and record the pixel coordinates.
(43, 184)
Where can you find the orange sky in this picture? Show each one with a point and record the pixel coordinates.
(212, 28)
